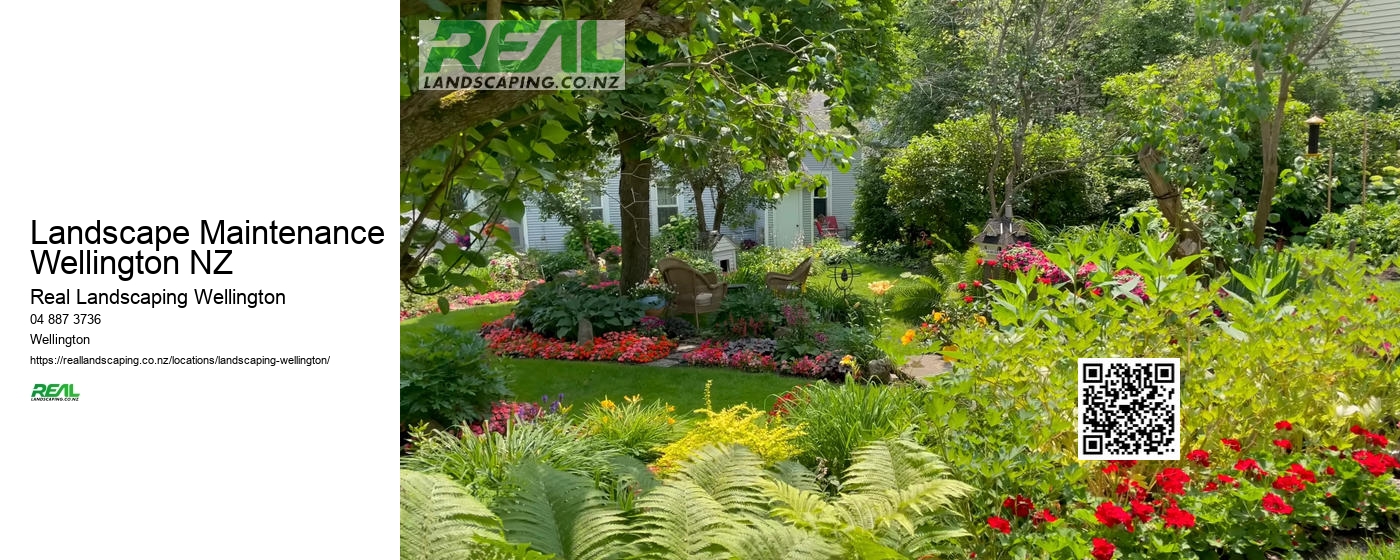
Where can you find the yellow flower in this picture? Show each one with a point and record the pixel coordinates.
(670, 408)
(607, 404)
(848, 360)
(908, 337)
(670, 420)
(939, 317)
(634, 399)
(982, 319)
(879, 288)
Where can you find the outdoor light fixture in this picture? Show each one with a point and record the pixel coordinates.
(1314, 134)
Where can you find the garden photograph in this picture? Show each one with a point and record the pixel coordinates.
(904, 279)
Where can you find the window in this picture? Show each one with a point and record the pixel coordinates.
(666, 207)
(819, 203)
(595, 208)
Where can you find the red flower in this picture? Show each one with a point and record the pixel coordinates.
(1358, 430)
(1179, 518)
(1285, 444)
(1141, 511)
(1200, 456)
(1330, 471)
(967, 299)
(1375, 463)
(1210, 487)
(1226, 479)
(1377, 439)
(1231, 443)
(962, 286)
(979, 262)
(1103, 550)
(1283, 425)
(1372, 298)
(1290, 483)
(999, 524)
(1111, 515)
(1044, 516)
(1273, 503)
(1248, 466)
(1173, 480)
(1110, 469)
(977, 283)
(1303, 472)
(1021, 506)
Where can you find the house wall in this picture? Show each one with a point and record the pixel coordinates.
(1375, 24)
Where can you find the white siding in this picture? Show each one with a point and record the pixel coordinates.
(1375, 24)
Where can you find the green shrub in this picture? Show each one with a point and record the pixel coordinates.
(632, 427)
(551, 264)
(754, 312)
(483, 463)
(600, 236)
(874, 221)
(832, 252)
(839, 419)
(554, 308)
(835, 306)
(448, 377)
(1374, 227)
(681, 233)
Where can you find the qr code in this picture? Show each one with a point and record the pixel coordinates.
(1129, 409)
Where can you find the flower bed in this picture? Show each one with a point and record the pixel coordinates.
(757, 354)
(463, 302)
(1290, 494)
(626, 347)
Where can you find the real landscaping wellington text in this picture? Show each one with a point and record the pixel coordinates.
(201, 261)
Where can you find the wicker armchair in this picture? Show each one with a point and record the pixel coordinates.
(791, 282)
(696, 293)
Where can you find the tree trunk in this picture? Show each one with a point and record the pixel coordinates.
(1188, 235)
(1271, 129)
(634, 194)
(698, 190)
(719, 209)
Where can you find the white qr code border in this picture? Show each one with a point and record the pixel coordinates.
(1086, 372)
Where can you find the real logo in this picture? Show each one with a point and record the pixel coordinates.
(53, 392)
(521, 54)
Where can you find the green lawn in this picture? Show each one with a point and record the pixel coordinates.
(583, 382)
(591, 381)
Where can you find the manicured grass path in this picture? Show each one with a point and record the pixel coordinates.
(583, 382)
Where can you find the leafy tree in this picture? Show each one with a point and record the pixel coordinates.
(936, 181)
(875, 221)
(728, 182)
(1277, 39)
(570, 203)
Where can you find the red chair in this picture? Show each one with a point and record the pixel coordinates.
(827, 227)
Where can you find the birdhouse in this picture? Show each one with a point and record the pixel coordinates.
(998, 234)
(725, 254)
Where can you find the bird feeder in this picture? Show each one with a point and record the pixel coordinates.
(1314, 135)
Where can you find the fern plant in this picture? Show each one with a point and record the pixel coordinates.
(439, 520)
(927, 292)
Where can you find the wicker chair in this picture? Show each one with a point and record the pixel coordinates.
(791, 282)
(696, 293)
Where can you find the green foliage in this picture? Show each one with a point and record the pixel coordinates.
(770, 438)
(447, 376)
(635, 429)
(1374, 227)
(483, 463)
(438, 519)
(937, 181)
(600, 236)
(835, 306)
(754, 312)
(562, 514)
(1270, 278)
(554, 308)
(874, 221)
(919, 294)
(839, 419)
(551, 264)
(680, 233)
